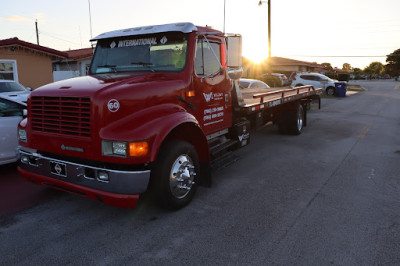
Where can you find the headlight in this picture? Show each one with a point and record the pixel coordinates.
(22, 135)
(114, 148)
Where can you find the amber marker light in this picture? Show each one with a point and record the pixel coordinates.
(137, 149)
(190, 93)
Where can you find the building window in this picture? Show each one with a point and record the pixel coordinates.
(8, 70)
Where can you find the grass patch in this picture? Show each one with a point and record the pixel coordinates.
(354, 88)
(323, 95)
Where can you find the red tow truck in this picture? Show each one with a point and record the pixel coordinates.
(160, 103)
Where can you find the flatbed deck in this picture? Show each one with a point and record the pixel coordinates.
(255, 99)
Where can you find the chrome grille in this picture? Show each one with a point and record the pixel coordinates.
(62, 115)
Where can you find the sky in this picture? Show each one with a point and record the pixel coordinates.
(357, 32)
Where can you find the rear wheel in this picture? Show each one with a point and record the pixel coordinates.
(296, 121)
(292, 121)
(299, 85)
(175, 174)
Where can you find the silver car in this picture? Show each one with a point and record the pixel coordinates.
(12, 105)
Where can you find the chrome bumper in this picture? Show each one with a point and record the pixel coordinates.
(121, 182)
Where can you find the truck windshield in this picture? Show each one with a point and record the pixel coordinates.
(156, 52)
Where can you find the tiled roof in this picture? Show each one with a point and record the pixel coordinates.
(17, 42)
(80, 53)
(280, 61)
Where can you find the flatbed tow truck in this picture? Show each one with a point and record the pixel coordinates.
(159, 105)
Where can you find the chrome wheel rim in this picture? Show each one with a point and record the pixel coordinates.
(181, 178)
(300, 119)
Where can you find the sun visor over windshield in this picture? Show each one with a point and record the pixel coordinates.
(177, 27)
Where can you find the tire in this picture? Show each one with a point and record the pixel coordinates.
(175, 174)
(330, 91)
(292, 121)
(296, 121)
(299, 85)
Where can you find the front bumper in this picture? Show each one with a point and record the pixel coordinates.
(121, 189)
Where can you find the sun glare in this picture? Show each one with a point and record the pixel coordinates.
(255, 53)
(255, 58)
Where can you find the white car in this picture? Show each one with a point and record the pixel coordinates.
(13, 91)
(252, 84)
(12, 105)
(315, 79)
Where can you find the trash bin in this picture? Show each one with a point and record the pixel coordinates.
(341, 88)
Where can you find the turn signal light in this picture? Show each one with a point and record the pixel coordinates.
(190, 94)
(138, 149)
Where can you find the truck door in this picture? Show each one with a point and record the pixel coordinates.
(212, 84)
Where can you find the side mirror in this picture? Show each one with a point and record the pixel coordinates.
(235, 73)
(29, 89)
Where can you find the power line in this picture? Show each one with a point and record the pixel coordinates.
(52, 36)
(339, 55)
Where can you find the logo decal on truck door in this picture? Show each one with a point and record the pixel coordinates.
(216, 96)
(208, 96)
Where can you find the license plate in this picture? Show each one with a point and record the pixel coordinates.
(58, 168)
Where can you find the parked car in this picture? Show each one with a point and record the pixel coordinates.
(11, 113)
(252, 84)
(315, 79)
(282, 77)
(14, 91)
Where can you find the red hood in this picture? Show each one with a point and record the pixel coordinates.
(87, 86)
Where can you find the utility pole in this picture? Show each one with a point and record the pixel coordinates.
(37, 33)
(90, 21)
(269, 24)
(224, 13)
(269, 29)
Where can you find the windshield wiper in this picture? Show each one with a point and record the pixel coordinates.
(113, 67)
(142, 63)
(145, 64)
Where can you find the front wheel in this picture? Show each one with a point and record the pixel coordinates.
(175, 174)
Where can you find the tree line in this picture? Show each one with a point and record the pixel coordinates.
(374, 69)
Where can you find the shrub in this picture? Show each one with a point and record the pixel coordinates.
(272, 81)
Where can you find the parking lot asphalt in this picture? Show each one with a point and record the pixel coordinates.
(17, 194)
(330, 196)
